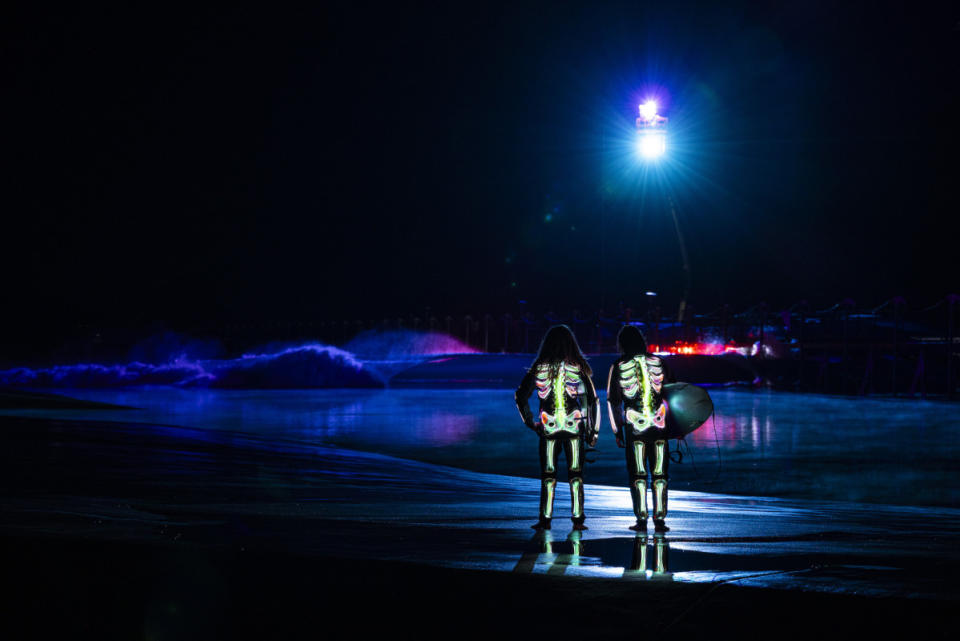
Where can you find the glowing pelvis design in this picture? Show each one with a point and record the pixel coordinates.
(555, 424)
(641, 422)
(566, 383)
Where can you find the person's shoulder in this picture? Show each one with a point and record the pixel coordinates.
(574, 370)
(653, 359)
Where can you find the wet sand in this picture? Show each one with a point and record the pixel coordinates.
(124, 530)
(110, 590)
(16, 399)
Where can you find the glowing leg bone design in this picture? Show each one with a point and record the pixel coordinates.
(661, 449)
(638, 480)
(544, 555)
(575, 475)
(548, 477)
(546, 498)
(660, 481)
(638, 493)
(576, 498)
(660, 499)
(638, 564)
(562, 384)
(551, 463)
(640, 454)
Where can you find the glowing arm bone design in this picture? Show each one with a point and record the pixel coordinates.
(614, 401)
(594, 416)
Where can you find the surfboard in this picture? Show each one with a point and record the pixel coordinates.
(688, 407)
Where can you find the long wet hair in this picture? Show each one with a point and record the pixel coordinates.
(559, 345)
(631, 342)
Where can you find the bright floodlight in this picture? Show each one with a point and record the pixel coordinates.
(648, 110)
(652, 144)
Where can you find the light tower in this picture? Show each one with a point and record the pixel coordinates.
(651, 144)
(651, 131)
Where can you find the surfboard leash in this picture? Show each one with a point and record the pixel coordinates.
(716, 440)
(683, 442)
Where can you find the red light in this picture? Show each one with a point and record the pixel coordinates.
(684, 348)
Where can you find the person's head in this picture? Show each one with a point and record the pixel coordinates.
(631, 341)
(559, 345)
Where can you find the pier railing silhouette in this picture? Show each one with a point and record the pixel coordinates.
(846, 348)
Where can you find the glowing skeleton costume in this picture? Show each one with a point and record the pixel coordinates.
(569, 415)
(638, 418)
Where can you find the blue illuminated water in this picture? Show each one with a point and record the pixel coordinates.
(893, 451)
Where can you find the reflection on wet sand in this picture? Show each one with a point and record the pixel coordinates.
(649, 560)
(655, 548)
(761, 444)
(542, 552)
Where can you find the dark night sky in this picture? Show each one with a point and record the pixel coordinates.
(348, 162)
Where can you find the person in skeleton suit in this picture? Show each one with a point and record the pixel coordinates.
(638, 419)
(569, 416)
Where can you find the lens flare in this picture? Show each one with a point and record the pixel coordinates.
(652, 144)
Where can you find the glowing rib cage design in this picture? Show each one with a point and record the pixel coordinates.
(560, 381)
(643, 376)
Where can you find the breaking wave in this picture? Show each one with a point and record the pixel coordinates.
(310, 365)
(304, 366)
(404, 345)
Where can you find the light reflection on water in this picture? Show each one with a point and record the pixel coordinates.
(770, 443)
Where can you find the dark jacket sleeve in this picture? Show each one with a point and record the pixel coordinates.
(593, 409)
(668, 376)
(614, 401)
(522, 399)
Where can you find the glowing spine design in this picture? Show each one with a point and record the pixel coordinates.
(559, 392)
(636, 375)
(566, 381)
